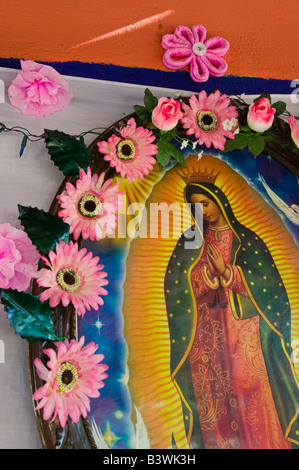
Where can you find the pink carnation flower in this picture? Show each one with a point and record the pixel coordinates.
(132, 153)
(73, 374)
(190, 47)
(294, 130)
(90, 207)
(73, 276)
(205, 116)
(39, 90)
(18, 258)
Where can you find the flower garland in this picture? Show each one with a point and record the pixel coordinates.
(47, 254)
(226, 123)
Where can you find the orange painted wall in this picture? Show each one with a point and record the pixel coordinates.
(264, 34)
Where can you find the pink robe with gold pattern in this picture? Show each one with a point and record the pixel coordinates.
(231, 386)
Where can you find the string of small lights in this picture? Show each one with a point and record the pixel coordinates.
(28, 136)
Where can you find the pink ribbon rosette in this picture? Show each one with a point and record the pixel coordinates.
(191, 47)
(39, 90)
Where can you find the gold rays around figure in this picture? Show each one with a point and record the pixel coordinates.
(145, 320)
(134, 198)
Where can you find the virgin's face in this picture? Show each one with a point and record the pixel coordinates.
(208, 210)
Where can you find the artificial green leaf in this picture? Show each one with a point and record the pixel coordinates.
(67, 152)
(150, 100)
(143, 113)
(177, 154)
(262, 95)
(280, 107)
(163, 155)
(45, 230)
(167, 150)
(239, 142)
(166, 136)
(256, 144)
(31, 318)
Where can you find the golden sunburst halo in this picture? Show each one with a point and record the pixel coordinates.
(149, 355)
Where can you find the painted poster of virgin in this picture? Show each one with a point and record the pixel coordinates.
(212, 327)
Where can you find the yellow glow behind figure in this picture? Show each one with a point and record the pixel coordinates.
(146, 325)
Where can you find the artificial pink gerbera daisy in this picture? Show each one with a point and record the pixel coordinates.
(18, 258)
(73, 276)
(90, 207)
(204, 118)
(73, 375)
(132, 152)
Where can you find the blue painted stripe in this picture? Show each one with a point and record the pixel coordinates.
(179, 80)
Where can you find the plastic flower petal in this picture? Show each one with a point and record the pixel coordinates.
(132, 152)
(72, 276)
(90, 208)
(39, 90)
(73, 374)
(190, 47)
(205, 116)
(18, 258)
(294, 130)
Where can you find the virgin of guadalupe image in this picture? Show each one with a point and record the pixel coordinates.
(209, 325)
(234, 373)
